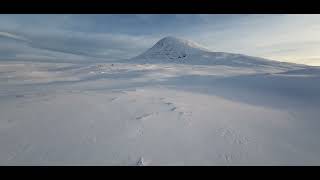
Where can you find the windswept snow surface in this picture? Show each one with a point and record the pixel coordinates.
(159, 113)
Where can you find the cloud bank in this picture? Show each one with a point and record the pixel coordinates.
(293, 38)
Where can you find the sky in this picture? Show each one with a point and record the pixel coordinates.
(90, 37)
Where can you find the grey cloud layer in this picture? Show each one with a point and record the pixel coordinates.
(112, 37)
(72, 45)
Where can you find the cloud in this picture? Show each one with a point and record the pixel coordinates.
(315, 61)
(105, 46)
(12, 36)
(112, 37)
(90, 36)
(100, 45)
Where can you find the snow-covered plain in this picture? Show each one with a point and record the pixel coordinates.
(159, 109)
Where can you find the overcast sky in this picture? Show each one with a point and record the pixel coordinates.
(293, 38)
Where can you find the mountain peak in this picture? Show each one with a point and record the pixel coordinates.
(175, 41)
(176, 50)
(173, 48)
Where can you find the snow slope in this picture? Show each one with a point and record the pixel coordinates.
(160, 112)
(175, 50)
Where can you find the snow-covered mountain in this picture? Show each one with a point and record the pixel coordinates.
(231, 110)
(176, 50)
(173, 48)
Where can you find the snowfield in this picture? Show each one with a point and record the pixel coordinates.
(159, 109)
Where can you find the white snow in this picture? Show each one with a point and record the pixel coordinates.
(234, 110)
